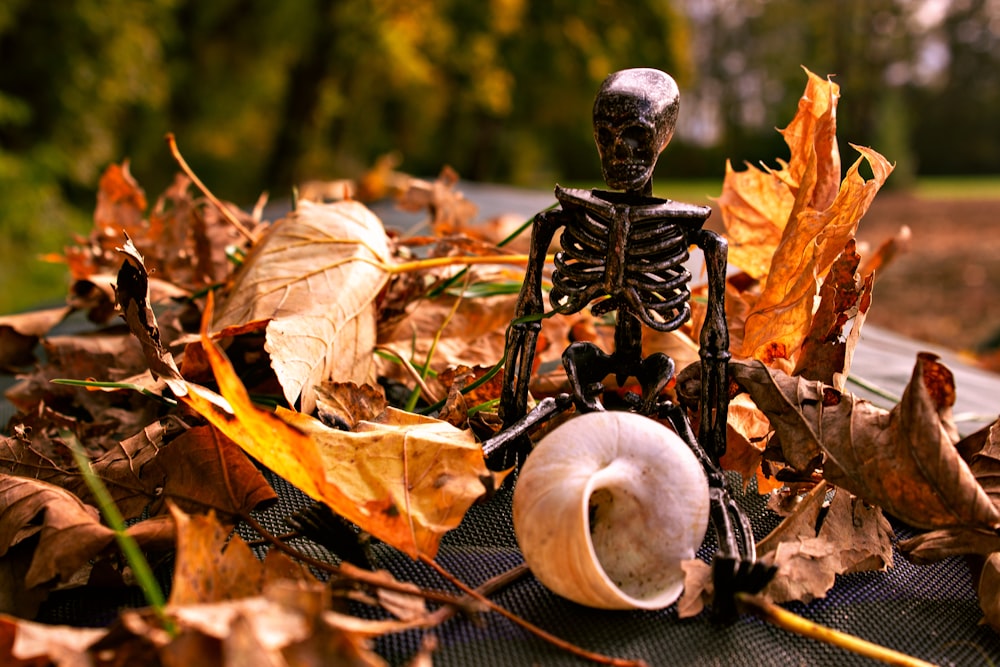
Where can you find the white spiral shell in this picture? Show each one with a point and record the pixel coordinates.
(607, 506)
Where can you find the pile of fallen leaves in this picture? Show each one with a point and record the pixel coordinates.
(362, 367)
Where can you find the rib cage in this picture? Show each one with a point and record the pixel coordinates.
(652, 282)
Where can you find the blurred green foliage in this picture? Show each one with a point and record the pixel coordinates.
(264, 94)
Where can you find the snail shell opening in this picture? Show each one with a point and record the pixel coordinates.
(607, 506)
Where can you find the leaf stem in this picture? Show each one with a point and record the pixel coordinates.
(130, 548)
(786, 620)
(352, 572)
(223, 209)
(527, 625)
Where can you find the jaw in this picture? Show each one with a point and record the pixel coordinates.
(629, 177)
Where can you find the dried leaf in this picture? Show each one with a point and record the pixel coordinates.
(826, 354)
(315, 277)
(747, 432)
(69, 533)
(811, 548)
(210, 568)
(758, 204)
(450, 211)
(783, 314)
(141, 472)
(697, 588)
(904, 460)
(470, 335)
(27, 644)
(787, 226)
(132, 294)
(19, 334)
(344, 404)
(406, 481)
(938, 544)
(423, 469)
(988, 591)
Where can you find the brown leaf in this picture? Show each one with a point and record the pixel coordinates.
(811, 548)
(197, 470)
(210, 568)
(68, 533)
(783, 313)
(887, 251)
(132, 294)
(315, 277)
(345, 403)
(19, 334)
(938, 544)
(450, 211)
(747, 432)
(787, 226)
(904, 460)
(988, 591)
(758, 204)
(826, 354)
(470, 335)
(697, 588)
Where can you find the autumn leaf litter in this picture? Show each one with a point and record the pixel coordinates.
(173, 419)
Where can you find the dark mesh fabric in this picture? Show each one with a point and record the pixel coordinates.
(930, 611)
(927, 611)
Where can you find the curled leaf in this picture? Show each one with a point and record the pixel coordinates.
(787, 226)
(903, 460)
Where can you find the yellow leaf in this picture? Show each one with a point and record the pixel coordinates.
(428, 470)
(406, 481)
(787, 226)
(315, 277)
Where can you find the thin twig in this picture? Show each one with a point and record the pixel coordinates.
(530, 627)
(226, 213)
(352, 572)
(786, 620)
(488, 587)
(412, 370)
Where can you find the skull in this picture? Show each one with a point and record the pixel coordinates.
(634, 117)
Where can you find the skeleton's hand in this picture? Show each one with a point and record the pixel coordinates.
(586, 367)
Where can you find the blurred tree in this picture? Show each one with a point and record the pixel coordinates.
(73, 77)
(956, 129)
(262, 94)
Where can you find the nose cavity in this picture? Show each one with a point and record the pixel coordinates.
(637, 139)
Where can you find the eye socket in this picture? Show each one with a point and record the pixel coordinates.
(604, 136)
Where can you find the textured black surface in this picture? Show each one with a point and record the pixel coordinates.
(929, 612)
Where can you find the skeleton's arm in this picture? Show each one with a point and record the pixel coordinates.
(523, 336)
(714, 346)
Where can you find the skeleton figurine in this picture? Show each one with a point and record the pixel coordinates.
(625, 252)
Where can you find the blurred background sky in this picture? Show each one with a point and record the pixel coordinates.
(264, 94)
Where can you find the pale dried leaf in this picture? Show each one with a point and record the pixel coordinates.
(38, 643)
(697, 588)
(315, 277)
